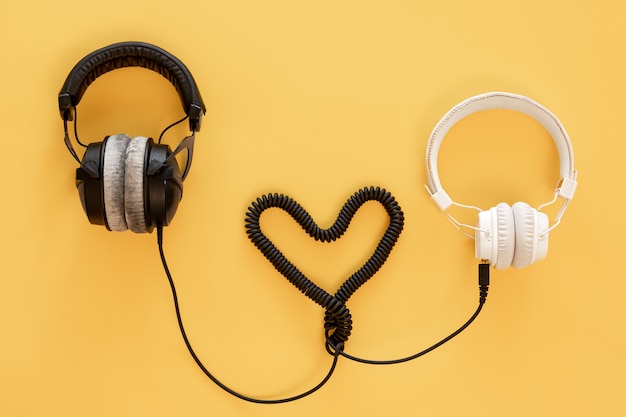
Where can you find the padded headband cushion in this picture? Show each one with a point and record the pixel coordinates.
(131, 54)
(134, 196)
(113, 181)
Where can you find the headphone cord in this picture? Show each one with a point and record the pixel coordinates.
(201, 365)
(76, 128)
(171, 126)
(483, 284)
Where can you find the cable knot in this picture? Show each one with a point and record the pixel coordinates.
(337, 323)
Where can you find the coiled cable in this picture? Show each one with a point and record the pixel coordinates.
(337, 320)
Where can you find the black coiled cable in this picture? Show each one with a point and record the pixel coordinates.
(337, 320)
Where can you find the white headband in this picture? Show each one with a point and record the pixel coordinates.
(507, 101)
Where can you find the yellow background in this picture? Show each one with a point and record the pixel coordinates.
(315, 99)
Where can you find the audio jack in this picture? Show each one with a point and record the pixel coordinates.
(483, 285)
(483, 281)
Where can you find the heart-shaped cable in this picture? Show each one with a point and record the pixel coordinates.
(338, 321)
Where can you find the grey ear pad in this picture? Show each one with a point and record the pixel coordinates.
(134, 184)
(113, 179)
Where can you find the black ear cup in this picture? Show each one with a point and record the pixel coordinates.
(120, 194)
(164, 188)
(89, 183)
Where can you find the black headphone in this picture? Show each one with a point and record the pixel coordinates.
(127, 183)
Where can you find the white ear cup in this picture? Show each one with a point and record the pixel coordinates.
(495, 239)
(530, 245)
(134, 184)
(113, 178)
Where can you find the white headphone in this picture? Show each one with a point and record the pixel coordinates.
(506, 235)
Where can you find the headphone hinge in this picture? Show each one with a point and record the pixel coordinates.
(65, 106)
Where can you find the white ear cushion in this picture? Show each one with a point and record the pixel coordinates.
(495, 241)
(529, 245)
(113, 178)
(506, 236)
(525, 234)
(134, 184)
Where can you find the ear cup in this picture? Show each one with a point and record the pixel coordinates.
(89, 183)
(134, 191)
(164, 187)
(530, 246)
(495, 241)
(113, 180)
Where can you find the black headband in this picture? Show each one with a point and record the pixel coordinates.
(132, 54)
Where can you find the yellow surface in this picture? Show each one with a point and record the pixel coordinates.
(315, 99)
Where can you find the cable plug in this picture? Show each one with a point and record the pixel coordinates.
(483, 281)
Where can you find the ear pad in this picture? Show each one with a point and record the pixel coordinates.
(530, 246)
(134, 191)
(113, 170)
(495, 241)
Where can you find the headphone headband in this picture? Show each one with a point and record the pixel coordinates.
(507, 101)
(132, 54)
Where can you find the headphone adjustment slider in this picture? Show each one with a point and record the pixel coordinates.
(195, 117)
(566, 188)
(65, 106)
